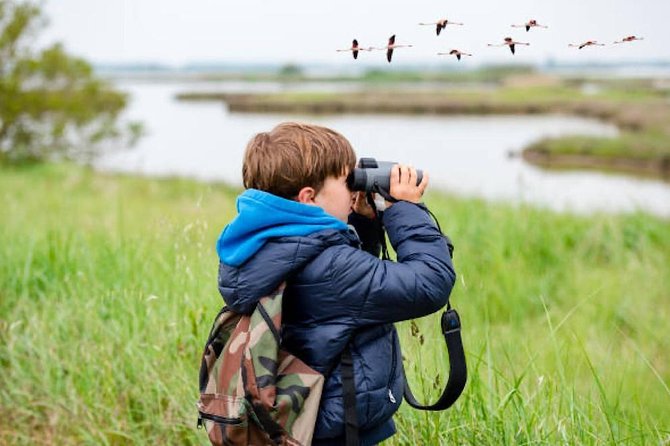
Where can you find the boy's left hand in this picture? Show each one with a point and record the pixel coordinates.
(361, 205)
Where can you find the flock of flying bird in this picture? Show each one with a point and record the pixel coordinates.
(442, 24)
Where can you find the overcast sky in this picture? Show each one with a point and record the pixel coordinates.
(309, 31)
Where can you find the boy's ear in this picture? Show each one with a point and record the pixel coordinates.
(307, 195)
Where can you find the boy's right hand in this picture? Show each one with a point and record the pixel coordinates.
(403, 184)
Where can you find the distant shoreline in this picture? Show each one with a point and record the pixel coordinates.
(654, 168)
(643, 148)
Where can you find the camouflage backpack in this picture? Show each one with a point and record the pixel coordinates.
(251, 391)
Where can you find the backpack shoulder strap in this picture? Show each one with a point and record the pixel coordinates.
(349, 396)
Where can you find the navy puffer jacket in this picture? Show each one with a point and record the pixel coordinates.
(336, 292)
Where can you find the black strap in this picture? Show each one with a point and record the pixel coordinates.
(451, 329)
(381, 233)
(387, 196)
(349, 396)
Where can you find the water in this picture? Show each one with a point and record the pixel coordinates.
(464, 155)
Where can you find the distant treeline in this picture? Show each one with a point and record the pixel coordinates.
(306, 72)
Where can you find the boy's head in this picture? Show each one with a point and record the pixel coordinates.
(295, 156)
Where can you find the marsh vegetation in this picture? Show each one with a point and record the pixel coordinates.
(640, 108)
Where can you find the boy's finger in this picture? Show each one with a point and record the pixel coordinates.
(424, 182)
(404, 174)
(395, 174)
(412, 176)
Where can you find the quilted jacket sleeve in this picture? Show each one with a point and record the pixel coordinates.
(419, 283)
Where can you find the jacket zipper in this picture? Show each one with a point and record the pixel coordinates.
(216, 419)
(393, 367)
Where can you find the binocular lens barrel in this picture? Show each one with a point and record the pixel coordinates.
(374, 176)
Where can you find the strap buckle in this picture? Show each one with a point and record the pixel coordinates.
(450, 322)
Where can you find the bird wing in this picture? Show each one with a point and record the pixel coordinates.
(458, 56)
(355, 53)
(438, 28)
(354, 44)
(527, 28)
(392, 39)
(389, 54)
(511, 47)
(582, 45)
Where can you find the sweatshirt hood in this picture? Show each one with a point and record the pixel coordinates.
(263, 216)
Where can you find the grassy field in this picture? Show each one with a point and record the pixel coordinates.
(108, 289)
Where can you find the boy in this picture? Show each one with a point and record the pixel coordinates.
(292, 226)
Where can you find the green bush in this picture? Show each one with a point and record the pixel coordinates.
(51, 104)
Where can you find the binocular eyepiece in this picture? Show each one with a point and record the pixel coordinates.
(374, 176)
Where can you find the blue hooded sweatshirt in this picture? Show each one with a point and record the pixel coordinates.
(338, 294)
(263, 216)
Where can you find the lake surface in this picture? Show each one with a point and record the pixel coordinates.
(465, 155)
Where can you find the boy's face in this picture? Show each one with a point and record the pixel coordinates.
(335, 197)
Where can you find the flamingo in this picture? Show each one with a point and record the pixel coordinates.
(441, 24)
(629, 39)
(587, 43)
(355, 49)
(532, 23)
(391, 46)
(456, 53)
(510, 42)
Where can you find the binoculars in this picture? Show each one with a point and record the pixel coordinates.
(374, 176)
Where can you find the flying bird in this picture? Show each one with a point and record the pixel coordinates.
(391, 46)
(355, 48)
(530, 24)
(587, 43)
(629, 39)
(441, 24)
(456, 53)
(510, 43)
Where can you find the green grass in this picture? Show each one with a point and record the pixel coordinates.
(108, 289)
(627, 145)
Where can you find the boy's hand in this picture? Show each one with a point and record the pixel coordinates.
(361, 205)
(403, 184)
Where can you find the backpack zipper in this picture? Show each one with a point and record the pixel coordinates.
(216, 419)
(393, 367)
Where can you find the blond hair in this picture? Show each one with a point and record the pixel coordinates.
(294, 155)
